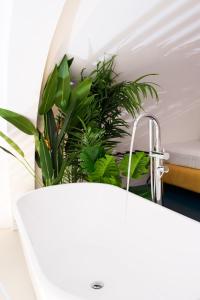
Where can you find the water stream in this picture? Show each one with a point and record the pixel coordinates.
(129, 168)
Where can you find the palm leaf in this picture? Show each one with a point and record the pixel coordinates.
(144, 76)
(89, 156)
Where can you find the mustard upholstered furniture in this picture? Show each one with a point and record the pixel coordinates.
(184, 177)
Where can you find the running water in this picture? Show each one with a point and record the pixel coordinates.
(129, 167)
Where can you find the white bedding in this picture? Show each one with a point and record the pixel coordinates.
(185, 154)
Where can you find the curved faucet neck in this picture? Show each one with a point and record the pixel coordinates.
(154, 130)
(155, 153)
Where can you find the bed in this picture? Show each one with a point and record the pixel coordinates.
(184, 165)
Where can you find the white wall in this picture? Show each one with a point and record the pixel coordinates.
(156, 36)
(31, 29)
(5, 19)
(148, 36)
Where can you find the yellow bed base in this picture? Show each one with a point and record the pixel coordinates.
(187, 178)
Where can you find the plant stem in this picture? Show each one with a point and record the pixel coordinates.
(36, 177)
(30, 170)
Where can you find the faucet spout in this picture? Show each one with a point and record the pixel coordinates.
(156, 154)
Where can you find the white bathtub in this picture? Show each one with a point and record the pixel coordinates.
(77, 234)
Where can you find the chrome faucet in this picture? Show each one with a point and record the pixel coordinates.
(157, 169)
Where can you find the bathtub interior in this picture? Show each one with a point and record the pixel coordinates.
(80, 235)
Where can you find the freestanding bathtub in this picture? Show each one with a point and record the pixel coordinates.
(81, 242)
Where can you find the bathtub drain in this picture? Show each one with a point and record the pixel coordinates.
(97, 285)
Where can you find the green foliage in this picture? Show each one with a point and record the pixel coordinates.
(50, 129)
(46, 163)
(63, 88)
(139, 165)
(22, 161)
(26, 126)
(142, 191)
(7, 151)
(83, 123)
(12, 144)
(19, 121)
(59, 178)
(111, 98)
(88, 156)
(87, 136)
(106, 171)
(50, 135)
(78, 103)
(49, 93)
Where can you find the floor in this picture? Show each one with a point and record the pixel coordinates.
(182, 201)
(14, 277)
(175, 198)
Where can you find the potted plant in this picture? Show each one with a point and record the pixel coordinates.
(82, 125)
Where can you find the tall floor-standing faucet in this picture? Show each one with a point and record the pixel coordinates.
(157, 169)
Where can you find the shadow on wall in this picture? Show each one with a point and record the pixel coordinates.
(148, 37)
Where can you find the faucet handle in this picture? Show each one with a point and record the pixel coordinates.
(162, 170)
(161, 155)
(166, 169)
(165, 155)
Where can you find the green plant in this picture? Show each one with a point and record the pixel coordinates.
(103, 117)
(82, 124)
(139, 165)
(107, 170)
(142, 190)
(18, 152)
(111, 98)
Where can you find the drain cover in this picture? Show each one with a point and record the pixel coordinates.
(97, 285)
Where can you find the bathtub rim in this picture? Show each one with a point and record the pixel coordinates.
(43, 188)
(148, 202)
(39, 279)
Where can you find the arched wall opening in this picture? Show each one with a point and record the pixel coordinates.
(155, 36)
(28, 30)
